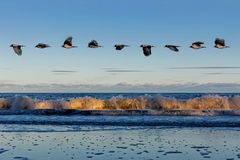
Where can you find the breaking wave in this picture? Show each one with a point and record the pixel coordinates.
(118, 103)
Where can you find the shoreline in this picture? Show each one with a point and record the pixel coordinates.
(137, 112)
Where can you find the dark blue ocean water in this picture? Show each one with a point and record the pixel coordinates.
(67, 96)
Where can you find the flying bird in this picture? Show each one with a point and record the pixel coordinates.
(220, 43)
(147, 49)
(94, 44)
(120, 46)
(197, 45)
(172, 47)
(17, 48)
(42, 45)
(68, 43)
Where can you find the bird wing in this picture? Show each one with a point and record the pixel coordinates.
(220, 42)
(198, 43)
(174, 48)
(119, 47)
(147, 51)
(43, 45)
(17, 50)
(68, 41)
(90, 44)
(94, 42)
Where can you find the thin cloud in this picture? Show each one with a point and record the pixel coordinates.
(123, 71)
(108, 68)
(63, 71)
(5, 68)
(119, 70)
(219, 73)
(207, 67)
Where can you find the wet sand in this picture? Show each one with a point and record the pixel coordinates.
(48, 142)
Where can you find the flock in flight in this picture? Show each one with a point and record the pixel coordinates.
(219, 43)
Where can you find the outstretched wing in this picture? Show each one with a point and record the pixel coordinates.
(93, 44)
(42, 45)
(147, 51)
(220, 42)
(68, 41)
(174, 48)
(119, 47)
(198, 43)
(17, 50)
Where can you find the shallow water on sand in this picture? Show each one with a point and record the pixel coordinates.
(48, 142)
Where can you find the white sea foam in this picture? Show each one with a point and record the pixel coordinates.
(116, 103)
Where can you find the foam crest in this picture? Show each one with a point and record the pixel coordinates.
(122, 103)
(21, 102)
(49, 105)
(85, 104)
(4, 103)
(115, 103)
(203, 103)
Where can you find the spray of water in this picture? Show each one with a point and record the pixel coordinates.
(115, 103)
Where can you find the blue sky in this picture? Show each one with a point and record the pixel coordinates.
(133, 22)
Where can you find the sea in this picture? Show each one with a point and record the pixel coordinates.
(96, 126)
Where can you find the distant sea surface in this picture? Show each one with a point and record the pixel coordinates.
(105, 96)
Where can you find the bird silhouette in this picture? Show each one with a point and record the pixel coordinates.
(147, 49)
(172, 47)
(197, 45)
(68, 43)
(42, 45)
(120, 46)
(93, 44)
(17, 48)
(220, 43)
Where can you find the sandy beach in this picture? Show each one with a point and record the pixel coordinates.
(47, 142)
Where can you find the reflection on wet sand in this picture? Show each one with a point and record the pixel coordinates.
(120, 143)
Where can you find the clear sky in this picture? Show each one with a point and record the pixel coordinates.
(133, 22)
